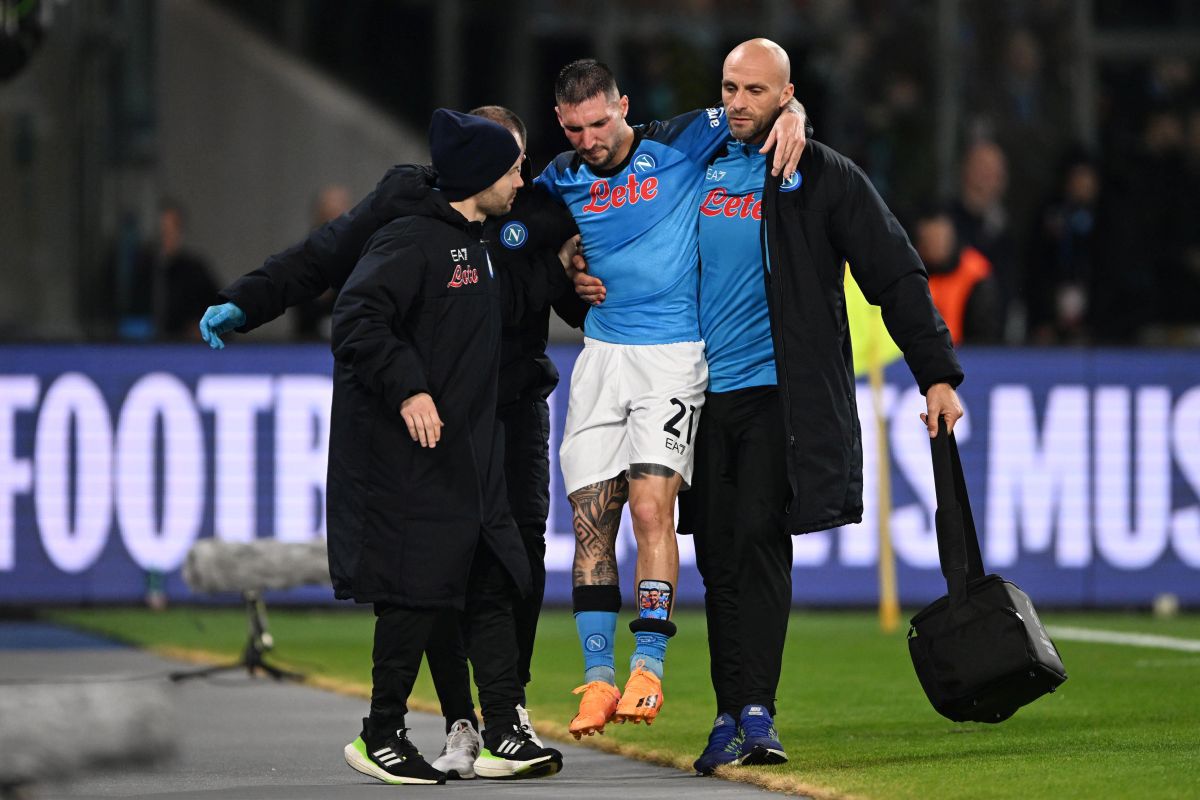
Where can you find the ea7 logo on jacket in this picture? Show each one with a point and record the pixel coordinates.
(463, 275)
(719, 203)
(632, 191)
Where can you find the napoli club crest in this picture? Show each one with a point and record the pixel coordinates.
(644, 162)
(791, 184)
(514, 235)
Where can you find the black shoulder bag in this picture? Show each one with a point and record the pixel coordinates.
(980, 652)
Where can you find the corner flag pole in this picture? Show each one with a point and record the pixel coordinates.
(874, 349)
(889, 596)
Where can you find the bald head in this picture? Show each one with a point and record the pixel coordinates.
(755, 86)
(762, 54)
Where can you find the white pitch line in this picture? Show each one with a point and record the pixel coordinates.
(1129, 639)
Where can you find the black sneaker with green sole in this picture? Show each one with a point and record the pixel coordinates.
(509, 753)
(390, 758)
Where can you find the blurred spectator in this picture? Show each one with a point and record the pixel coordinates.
(1171, 82)
(1155, 287)
(874, 94)
(1022, 103)
(168, 286)
(1167, 180)
(899, 153)
(1064, 269)
(312, 319)
(960, 280)
(1022, 89)
(982, 222)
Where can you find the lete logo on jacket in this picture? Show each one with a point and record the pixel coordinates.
(464, 274)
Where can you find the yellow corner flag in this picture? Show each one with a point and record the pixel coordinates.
(873, 345)
(873, 350)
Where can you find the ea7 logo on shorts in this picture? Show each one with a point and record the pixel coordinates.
(678, 447)
(791, 184)
(514, 235)
(644, 162)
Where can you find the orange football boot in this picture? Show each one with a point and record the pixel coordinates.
(596, 708)
(642, 698)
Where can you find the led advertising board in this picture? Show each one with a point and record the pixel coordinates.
(1083, 469)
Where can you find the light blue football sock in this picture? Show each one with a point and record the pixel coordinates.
(597, 632)
(651, 650)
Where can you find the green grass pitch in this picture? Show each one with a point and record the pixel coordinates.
(850, 712)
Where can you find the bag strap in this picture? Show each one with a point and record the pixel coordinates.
(958, 541)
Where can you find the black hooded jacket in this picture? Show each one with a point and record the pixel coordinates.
(421, 312)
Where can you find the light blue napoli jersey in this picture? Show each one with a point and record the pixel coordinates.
(733, 296)
(639, 228)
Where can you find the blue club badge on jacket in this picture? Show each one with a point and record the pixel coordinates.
(514, 235)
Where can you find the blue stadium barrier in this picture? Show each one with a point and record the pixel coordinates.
(1083, 468)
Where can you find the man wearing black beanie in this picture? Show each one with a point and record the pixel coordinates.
(521, 245)
(417, 517)
(467, 152)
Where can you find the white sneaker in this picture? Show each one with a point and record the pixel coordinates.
(527, 726)
(459, 753)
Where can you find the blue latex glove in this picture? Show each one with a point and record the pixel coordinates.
(219, 320)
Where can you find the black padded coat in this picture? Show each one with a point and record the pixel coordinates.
(422, 312)
(809, 233)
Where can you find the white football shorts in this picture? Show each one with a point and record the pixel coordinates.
(632, 404)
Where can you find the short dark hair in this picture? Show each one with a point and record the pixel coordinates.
(584, 79)
(503, 116)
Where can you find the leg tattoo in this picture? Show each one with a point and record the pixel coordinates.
(597, 512)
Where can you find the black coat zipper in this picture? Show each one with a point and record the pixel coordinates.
(774, 287)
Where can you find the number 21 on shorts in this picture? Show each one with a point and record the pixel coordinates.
(676, 440)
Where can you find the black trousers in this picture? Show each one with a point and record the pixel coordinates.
(527, 475)
(743, 551)
(446, 654)
(526, 424)
(402, 634)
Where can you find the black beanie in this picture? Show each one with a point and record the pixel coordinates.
(469, 153)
